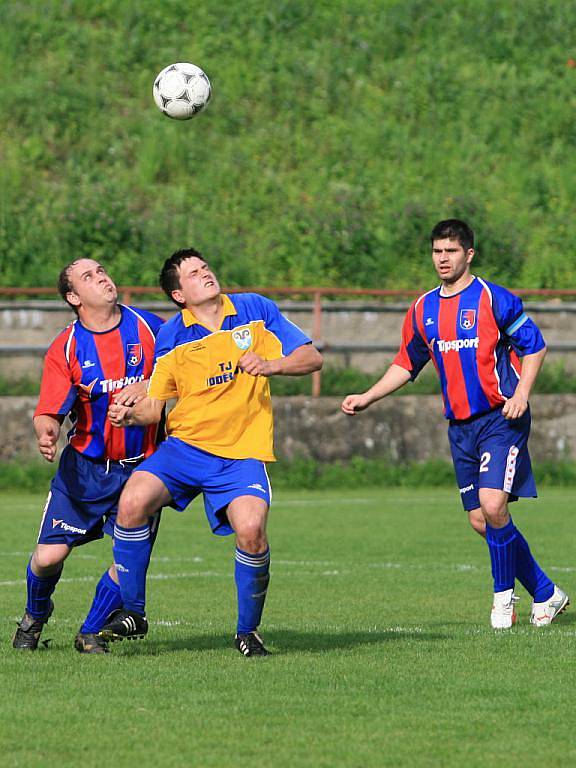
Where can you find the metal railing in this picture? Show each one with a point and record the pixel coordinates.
(126, 294)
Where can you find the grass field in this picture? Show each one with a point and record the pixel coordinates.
(378, 619)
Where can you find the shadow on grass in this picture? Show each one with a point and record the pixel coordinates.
(287, 641)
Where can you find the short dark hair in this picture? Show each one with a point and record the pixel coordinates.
(64, 284)
(454, 229)
(169, 278)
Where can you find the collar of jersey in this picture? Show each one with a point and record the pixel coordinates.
(189, 318)
(451, 296)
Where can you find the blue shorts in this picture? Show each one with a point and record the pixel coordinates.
(83, 500)
(490, 451)
(187, 471)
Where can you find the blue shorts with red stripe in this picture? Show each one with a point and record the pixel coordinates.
(490, 451)
(83, 500)
(187, 471)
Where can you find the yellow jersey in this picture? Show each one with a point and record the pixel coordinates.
(220, 409)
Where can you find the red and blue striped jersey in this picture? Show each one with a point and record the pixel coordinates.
(475, 339)
(83, 370)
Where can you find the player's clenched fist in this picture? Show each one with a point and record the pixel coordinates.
(119, 415)
(132, 394)
(47, 444)
(47, 430)
(354, 403)
(255, 365)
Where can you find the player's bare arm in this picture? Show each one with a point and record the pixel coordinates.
(302, 360)
(394, 378)
(47, 430)
(132, 394)
(147, 411)
(516, 406)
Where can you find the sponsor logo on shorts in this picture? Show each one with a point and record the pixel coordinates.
(66, 527)
(467, 488)
(121, 568)
(457, 344)
(258, 487)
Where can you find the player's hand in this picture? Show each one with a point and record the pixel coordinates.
(352, 404)
(131, 394)
(48, 442)
(119, 415)
(515, 406)
(255, 365)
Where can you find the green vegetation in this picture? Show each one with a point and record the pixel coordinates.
(377, 615)
(311, 474)
(339, 132)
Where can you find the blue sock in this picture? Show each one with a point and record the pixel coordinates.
(252, 576)
(502, 545)
(107, 599)
(39, 592)
(529, 573)
(132, 548)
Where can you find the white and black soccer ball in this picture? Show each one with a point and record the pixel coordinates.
(181, 91)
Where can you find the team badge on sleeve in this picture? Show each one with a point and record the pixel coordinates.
(134, 353)
(467, 319)
(242, 337)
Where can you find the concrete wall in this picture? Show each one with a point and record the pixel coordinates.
(398, 430)
(34, 324)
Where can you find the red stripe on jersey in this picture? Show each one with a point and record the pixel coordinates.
(82, 438)
(112, 356)
(489, 336)
(456, 393)
(515, 363)
(402, 357)
(419, 312)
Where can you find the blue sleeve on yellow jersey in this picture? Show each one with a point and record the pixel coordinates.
(522, 332)
(166, 338)
(288, 334)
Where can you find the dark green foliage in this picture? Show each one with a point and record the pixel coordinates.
(339, 133)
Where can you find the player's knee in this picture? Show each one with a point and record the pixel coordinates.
(495, 511)
(48, 559)
(132, 509)
(251, 536)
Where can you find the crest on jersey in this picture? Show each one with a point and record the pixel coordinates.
(242, 337)
(467, 319)
(134, 353)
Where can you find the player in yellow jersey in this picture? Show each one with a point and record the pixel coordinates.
(215, 357)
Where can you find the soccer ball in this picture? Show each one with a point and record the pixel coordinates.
(181, 91)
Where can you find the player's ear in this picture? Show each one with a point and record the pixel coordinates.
(470, 255)
(73, 298)
(178, 296)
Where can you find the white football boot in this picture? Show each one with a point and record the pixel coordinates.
(545, 613)
(503, 615)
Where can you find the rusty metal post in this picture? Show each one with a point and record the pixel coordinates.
(317, 339)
